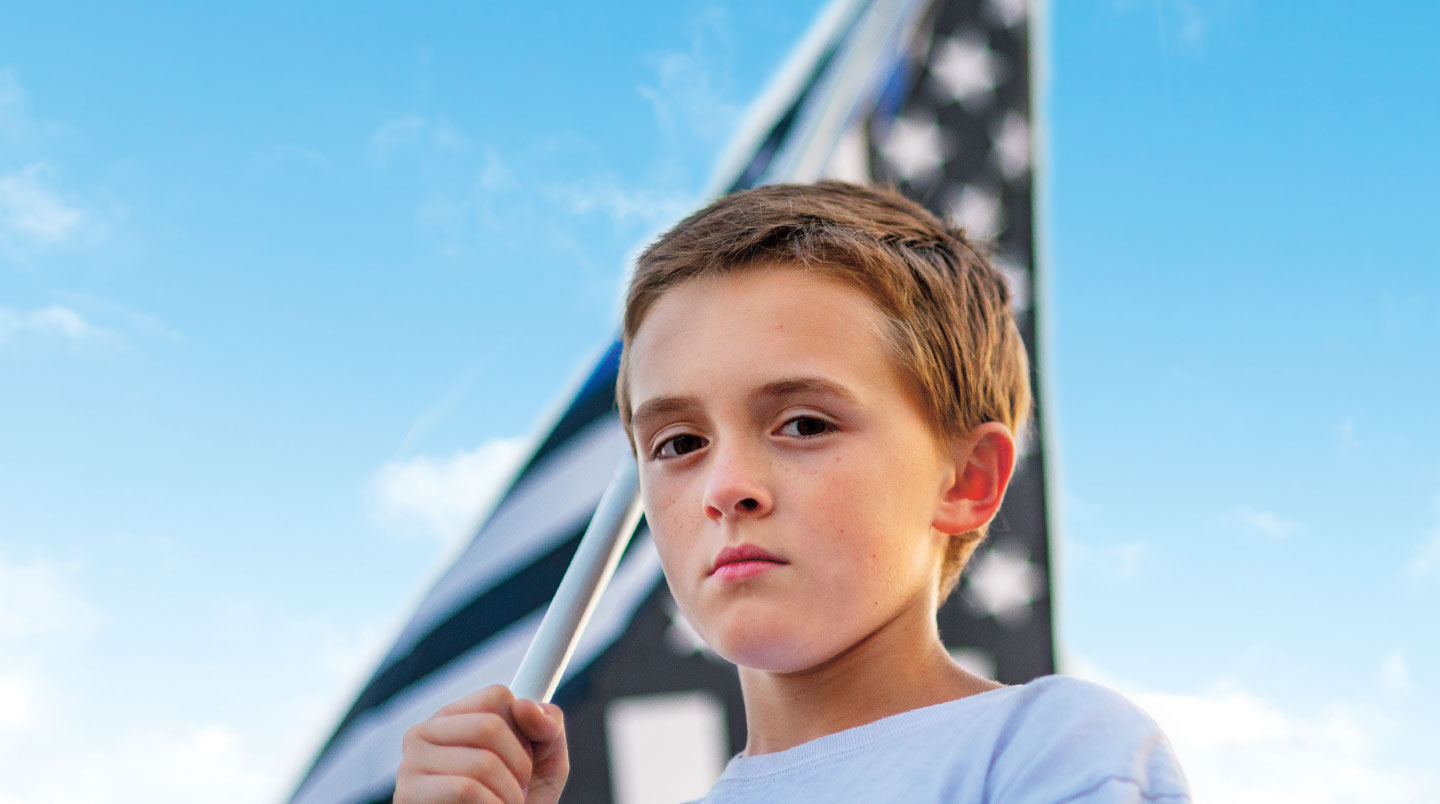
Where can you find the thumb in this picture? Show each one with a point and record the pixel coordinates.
(542, 723)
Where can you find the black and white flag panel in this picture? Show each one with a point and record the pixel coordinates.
(931, 97)
(954, 132)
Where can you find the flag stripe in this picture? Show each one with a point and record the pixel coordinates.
(595, 399)
(361, 763)
(552, 501)
(506, 601)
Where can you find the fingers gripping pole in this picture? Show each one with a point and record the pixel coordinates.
(595, 559)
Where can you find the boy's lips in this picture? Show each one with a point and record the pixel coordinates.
(743, 553)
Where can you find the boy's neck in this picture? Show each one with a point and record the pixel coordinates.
(901, 666)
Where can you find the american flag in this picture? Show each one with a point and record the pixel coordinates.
(934, 98)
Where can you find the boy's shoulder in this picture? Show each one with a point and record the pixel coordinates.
(1069, 738)
(1070, 699)
(1052, 739)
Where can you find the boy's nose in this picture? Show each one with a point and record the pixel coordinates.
(735, 488)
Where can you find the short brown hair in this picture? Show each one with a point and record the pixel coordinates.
(948, 308)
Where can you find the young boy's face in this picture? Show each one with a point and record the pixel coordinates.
(767, 412)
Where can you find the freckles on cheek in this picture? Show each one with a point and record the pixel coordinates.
(664, 519)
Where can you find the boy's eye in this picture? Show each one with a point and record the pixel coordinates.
(805, 426)
(679, 445)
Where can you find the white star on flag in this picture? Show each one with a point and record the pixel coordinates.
(1003, 584)
(966, 68)
(681, 636)
(849, 162)
(978, 210)
(914, 148)
(1009, 12)
(1017, 279)
(974, 660)
(1012, 145)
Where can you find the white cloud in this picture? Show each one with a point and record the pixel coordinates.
(1427, 558)
(210, 763)
(415, 130)
(1192, 25)
(1395, 675)
(1346, 443)
(40, 598)
(446, 497)
(644, 205)
(396, 132)
(17, 125)
(17, 699)
(1238, 747)
(36, 212)
(14, 121)
(1266, 522)
(66, 737)
(1177, 17)
(32, 212)
(52, 321)
(135, 321)
(1119, 562)
(495, 175)
(691, 88)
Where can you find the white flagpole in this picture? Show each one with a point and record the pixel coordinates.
(595, 560)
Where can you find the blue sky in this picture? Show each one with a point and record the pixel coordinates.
(283, 290)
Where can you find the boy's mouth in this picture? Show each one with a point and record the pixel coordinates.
(743, 553)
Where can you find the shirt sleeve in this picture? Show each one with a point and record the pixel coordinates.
(1117, 790)
(1074, 741)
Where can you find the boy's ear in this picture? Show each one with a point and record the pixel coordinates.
(982, 461)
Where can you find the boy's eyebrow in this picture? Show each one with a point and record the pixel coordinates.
(790, 386)
(658, 407)
(662, 406)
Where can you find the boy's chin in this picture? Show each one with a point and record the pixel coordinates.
(779, 649)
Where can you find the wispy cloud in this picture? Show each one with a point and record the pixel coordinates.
(1346, 442)
(623, 205)
(495, 175)
(444, 498)
(150, 743)
(32, 211)
(1395, 674)
(124, 318)
(17, 124)
(64, 762)
(1268, 523)
(1119, 562)
(415, 130)
(694, 103)
(39, 597)
(52, 321)
(17, 699)
(37, 212)
(473, 191)
(14, 119)
(1237, 746)
(1427, 558)
(691, 93)
(1174, 19)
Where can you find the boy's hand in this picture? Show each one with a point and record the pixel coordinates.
(486, 748)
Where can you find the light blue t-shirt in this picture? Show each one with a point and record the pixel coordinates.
(1053, 740)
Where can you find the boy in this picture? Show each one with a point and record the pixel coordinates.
(822, 385)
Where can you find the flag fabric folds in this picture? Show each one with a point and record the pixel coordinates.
(932, 98)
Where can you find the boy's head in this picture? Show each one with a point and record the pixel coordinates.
(947, 324)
